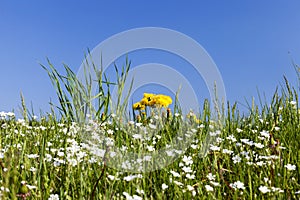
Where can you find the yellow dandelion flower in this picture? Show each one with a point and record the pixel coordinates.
(148, 99)
(147, 95)
(152, 102)
(163, 100)
(138, 106)
(144, 101)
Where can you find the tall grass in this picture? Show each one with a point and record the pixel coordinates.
(90, 93)
(253, 157)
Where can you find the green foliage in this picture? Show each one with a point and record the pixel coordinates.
(252, 157)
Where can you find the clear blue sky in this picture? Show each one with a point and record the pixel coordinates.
(248, 40)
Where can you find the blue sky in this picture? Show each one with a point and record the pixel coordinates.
(249, 41)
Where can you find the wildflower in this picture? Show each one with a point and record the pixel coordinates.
(148, 95)
(32, 169)
(218, 132)
(10, 114)
(211, 177)
(170, 152)
(201, 126)
(266, 179)
(187, 169)
(147, 158)
(239, 130)
(236, 159)
(42, 128)
(152, 126)
(129, 197)
(32, 156)
(138, 106)
(175, 174)
(153, 100)
(111, 154)
(249, 163)
(109, 141)
(57, 162)
(48, 157)
(214, 148)
(209, 188)
(259, 145)
(246, 154)
(110, 132)
(2, 115)
(246, 141)
(290, 167)
(126, 165)
(163, 100)
(178, 151)
(178, 183)
(137, 136)
(219, 140)
(190, 176)
(260, 163)
(21, 121)
(187, 160)
(111, 177)
(226, 151)
(274, 189)
(264, 189)
(190, 188)
(131, 177)
(60, 154)
(237, 185)
(293, 103)
(254, 131)
(138, 124)
(60, 125)
(140, 191)
(231, 138)
(214, 183)
(4, 189)
(276, 128)
(164, 186)
(31, 187)
(150, 148)
(265, 134)
(238, 144)
(269, 157)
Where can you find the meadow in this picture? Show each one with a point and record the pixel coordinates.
(78, 151)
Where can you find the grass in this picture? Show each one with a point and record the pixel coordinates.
(252, 157)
